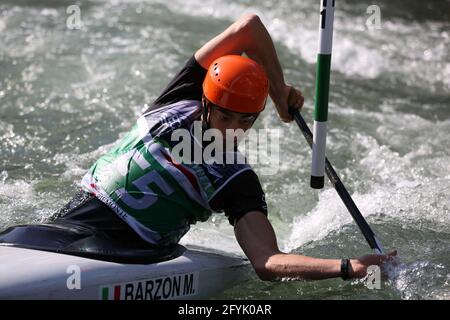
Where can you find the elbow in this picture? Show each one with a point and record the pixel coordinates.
(265, 272)
(250, 22)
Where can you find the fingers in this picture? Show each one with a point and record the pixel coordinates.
(378, 259)
(390, 256)
(299, 104)
(299, 100)
(393, 253)
(293, 100)
(381, 260)
(287, 119)
(292, 96)
(286, 116)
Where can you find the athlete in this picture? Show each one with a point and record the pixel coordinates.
(140, 192)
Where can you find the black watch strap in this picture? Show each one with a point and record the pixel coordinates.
(345, 264)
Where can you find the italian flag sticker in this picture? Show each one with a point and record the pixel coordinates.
(115, 291)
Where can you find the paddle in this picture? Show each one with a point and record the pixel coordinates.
(340, 188)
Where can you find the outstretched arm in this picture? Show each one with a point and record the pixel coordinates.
(257, 238)
(249, 35)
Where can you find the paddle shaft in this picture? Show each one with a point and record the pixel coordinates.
(341, 190)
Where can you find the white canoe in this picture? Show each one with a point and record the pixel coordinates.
(195, 274)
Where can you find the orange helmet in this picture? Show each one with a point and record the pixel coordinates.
(237, 84)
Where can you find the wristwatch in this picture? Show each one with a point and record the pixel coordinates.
(345, 264)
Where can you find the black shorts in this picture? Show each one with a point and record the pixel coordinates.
(85, 210)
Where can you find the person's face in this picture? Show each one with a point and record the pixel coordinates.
(222, 119)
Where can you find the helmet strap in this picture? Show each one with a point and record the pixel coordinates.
(259, 112)
(256, 118)
(205, 111)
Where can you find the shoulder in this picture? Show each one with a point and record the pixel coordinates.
(187, 84)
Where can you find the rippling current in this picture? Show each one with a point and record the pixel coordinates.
(67, 95)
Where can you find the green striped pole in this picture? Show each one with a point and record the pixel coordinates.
(322, 90)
